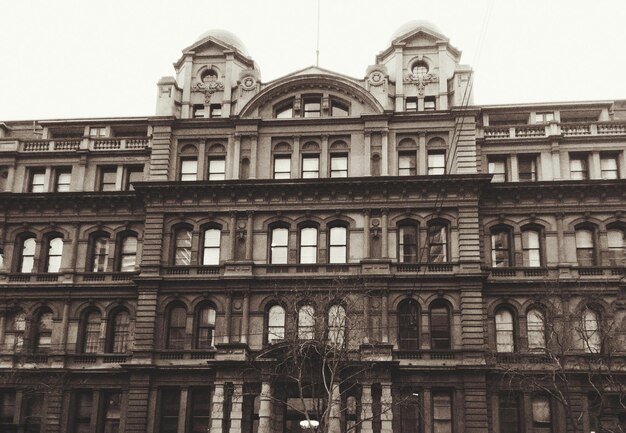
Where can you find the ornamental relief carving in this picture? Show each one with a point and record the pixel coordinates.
(376, 78)
(208, 88)
(421, 80)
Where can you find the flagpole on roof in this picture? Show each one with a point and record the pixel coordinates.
(317, 49)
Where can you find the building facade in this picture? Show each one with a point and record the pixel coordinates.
(152, 268)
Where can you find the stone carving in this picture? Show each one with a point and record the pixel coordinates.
(420, 80)
(248, 83)
(376, 78)
(208, 88)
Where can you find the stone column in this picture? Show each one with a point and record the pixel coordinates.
(227, 315)
(265, 408)
(366, 233)
(64, 324)
(366, 409)
(236, 409)
(182, 408)
(561, 238)
(384, 235)
(249, 234)
(295, 157)
(367, 154)
(233, 236)
(236, 145)
(384, 169)
(334, 417)
(324, 157)
(217, 409)
(253, 153)
(384, 318)
(245, 318)
(422, 155)
(386, 416)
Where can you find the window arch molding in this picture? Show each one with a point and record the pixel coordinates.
(179, 242)
(501, 245)
(124, 250)
(175, 325)
(118, 329)
(205, 325)
(26, 252)
(533, 249)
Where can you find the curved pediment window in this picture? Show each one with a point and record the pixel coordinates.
(312, 105)
(284, 110)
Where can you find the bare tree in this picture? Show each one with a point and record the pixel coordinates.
(574, 355)
(316, 363)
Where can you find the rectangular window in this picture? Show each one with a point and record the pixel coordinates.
(83, 401)
(217, 168)
(7, 411)
(199, 410)
(497, 167)
(188, 169)
(108, 178)
(436, 162)
(411, 104)
(430, 103)
(198, 111)
(111, 412)
(282, 166)
(437, 244)
(578, 167)
(63, 179)
(509, 413)
(544, 117)
(407, 164)
(312, 106)
(527, 168)
(609, 167)
(37, 180)
(99, 131)
(169, 406)
(542, 414)
(310, 166)
(407, 244)
(279, 246)
(308, 245)
(500, 249)
(134, 173)
(216, 110)
(338, 249)
(442, 412)
(339, 165)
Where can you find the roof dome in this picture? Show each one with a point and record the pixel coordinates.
(410, 26)
(227, 37)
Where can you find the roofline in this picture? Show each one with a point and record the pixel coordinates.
(347, 77)
(603, 103)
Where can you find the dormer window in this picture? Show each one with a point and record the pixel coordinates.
(419, 69)
(544, 117)
(285, 111)
(312, 106)
(209, 76)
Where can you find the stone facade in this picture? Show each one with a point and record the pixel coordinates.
(140, 257)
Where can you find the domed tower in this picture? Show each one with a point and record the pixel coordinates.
(212, 76)
(424, 68)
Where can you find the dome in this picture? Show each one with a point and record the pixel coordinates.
(227, 37)
(410, 26)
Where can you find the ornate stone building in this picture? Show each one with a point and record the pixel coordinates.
(149, 265)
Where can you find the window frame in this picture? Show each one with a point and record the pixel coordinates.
(503, 346)
(528, 251)
(122, 254)
(583, 158)
(22, 255)
(434, 170)
(449, 395)
(33, 173)
(338, 246)
(498, 176)
(409, 328)
(86, 332)
(508, 231)
(605, 156)
(306, 329)
(50, 254)
(173, 327)
(41, 334)
(444, 229)
(536, 328)
(311, 100)
(314, 246)
(118, 338)
(402, 256)
(339, 157)
(411, 156)
(273, 246)
(215, 175)
(95, 255)
(129, 171)
(177, 230)
(270, 329)
(592, 251)
(315, 173)
(104, 184)
(285, 174)
(188, 176)
(199, 326)
(213, 248)
(59, 172)
(616, 253)
(524, 176)
(446, 331)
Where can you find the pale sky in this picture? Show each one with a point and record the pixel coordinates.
(77, 59)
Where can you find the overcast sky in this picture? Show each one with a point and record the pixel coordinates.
(74, 59)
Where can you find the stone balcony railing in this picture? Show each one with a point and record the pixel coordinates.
(551, 129)
(557, 272)
(57, 356)
(74, 144)
(68, 277)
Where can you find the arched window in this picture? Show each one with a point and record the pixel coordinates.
(531, 248)
(100, 253)
(90, 338)
(437, 243)
(592, 341)
(15, 327)
(306, 322)
(26, 260)
(182, 246)
(128, 253)
(188, 163)
(352, 414)
(419, 68)
(338, 245)
(275, 324)
(440, 326)
(211, 249)
(42, 338)
(536, 329)
(585, 246)
(408, 325)
(505, 331)
(119, 332)
(205, 327)
(177, 323)
(54, 254)
(279, 249)
(501, 247)
(337, 325)
(308, 245)
(617, 246)
(407, 242)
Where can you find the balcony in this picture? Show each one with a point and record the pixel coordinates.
(551, 129)
(74, 144)
(68, 278)
(557, 272)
